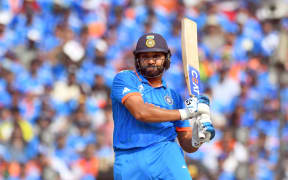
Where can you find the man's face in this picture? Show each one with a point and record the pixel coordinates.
(151, 63)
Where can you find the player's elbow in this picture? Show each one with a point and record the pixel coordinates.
(187, 147)
(141, 116)
(185, 141)
(138, 115)
(141, 113)
(190, 149)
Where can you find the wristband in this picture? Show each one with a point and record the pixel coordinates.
(184, 114)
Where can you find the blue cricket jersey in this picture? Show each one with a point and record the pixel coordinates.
(131, 133)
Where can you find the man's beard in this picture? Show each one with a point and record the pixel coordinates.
(152, 71)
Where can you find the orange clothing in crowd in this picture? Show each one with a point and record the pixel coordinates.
(225, 146)
(168, 5)
(89, 166)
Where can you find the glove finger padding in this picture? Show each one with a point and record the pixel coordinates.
(203, 99)
(195, 138)
(206, 127)
(205, 119)
(201, 134)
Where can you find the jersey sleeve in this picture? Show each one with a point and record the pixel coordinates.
(124, 85)
(181, 125)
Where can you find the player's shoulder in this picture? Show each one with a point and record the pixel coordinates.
(124, 74)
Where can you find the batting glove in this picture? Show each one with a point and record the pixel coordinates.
(190, 108)
(196, 143)
(204, 119)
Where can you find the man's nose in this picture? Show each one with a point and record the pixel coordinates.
(151, 60)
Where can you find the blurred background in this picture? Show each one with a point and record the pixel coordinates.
(58, 59)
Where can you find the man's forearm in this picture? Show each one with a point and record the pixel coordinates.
(151, 113)
(185, 141)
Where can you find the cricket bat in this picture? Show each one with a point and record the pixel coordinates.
(190, 60)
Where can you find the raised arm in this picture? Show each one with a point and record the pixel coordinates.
(125, 90)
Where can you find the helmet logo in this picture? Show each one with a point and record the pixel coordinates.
(150, 42)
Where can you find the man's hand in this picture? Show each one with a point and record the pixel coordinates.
(190, 108)
(204, 120)
(191, 105)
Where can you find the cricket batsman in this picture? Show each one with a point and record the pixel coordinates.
(149, 116)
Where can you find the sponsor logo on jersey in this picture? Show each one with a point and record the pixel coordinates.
(125, 90)
(141, 88)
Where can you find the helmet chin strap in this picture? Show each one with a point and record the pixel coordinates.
(142, 70)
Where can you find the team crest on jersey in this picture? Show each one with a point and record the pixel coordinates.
(168, 100)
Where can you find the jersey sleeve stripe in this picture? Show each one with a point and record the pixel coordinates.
(179, 129)
(130, 94)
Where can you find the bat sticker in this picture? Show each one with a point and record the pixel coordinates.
(194, 78)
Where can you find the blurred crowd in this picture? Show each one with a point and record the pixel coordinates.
(58, 59)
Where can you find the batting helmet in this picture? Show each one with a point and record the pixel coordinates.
(152, 42)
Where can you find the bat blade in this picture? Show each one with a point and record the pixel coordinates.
(190, 60)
